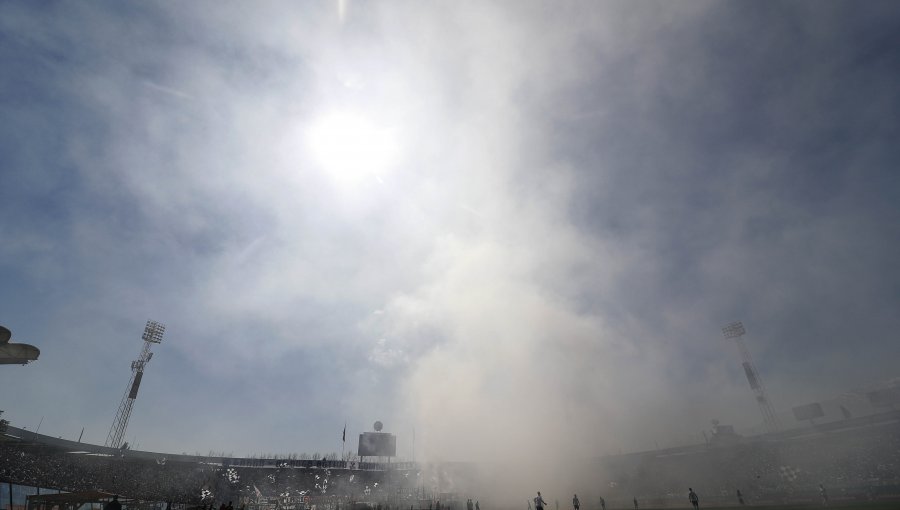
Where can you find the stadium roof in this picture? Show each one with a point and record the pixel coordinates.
(71, 497)
(15, 354)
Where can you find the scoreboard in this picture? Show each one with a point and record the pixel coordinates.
(377, 444)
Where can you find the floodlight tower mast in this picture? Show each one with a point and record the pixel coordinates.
(153, 333)
(736, 331)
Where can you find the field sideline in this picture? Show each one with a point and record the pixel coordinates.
(877, 505)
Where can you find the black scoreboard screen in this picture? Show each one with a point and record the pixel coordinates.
(377, 444)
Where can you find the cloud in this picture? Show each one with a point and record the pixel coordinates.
(386, 357)
(586, 194)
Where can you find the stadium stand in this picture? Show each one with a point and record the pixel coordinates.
(27, 459)
(856, 459)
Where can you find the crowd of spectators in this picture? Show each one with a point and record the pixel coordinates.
(285, 484)
(855, 464)
(40, 466)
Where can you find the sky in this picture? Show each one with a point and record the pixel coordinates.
(504, 229)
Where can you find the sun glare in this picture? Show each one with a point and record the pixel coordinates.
(351, 147)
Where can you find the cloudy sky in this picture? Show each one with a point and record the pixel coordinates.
(508, 226)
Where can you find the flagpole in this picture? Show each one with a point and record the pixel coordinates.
(343, 441)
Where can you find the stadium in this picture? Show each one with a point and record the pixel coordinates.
(843, 459)
(521, 233)
(857, 459)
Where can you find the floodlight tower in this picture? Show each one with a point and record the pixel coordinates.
(736, 331)
(153, 333)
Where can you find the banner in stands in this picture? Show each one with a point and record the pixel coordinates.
(885, 397)
(808, 412)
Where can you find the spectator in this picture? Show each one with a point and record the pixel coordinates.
(114, 504)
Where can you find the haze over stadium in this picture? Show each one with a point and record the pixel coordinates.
(510, 230)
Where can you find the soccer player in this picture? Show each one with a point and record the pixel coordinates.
(539, 502)
(692, 496)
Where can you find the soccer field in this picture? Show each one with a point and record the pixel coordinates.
(880, 505)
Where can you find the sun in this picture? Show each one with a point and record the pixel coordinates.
(351, 147)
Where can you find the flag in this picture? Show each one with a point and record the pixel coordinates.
(344, 435)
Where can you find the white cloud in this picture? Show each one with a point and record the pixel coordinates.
(551, 255)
